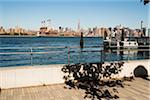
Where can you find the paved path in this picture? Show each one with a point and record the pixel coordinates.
(139, 89)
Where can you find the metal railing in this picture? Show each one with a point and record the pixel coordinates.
(6, 52)
(131, 48)
(31, 51)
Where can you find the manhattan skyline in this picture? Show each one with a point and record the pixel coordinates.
(109, 13)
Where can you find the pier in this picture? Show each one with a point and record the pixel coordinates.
(47, 75)
(135, 90)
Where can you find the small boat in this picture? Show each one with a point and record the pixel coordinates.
(110, 44)
(128, 44)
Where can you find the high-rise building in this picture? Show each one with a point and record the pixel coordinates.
(11, 31)
(79, 29)
(43, 30)
(2, 30)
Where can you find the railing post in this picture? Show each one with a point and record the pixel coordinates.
(68, 55)
(79, 55)
(128, 53)
(102, 55)
(31, 58)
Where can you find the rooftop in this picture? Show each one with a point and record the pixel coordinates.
(138, 89)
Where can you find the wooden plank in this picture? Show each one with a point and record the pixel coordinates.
(137, 90)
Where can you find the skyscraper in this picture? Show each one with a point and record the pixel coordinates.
(78, 30)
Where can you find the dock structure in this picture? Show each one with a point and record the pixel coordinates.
(46, 82)
(121, 41)
(138, 89)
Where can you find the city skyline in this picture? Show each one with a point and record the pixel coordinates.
(109, 13)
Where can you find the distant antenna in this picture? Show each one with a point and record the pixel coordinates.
(49, 23)
(79, 25)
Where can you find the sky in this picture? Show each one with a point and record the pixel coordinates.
(28, 14)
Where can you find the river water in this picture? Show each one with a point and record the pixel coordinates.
(56, 51)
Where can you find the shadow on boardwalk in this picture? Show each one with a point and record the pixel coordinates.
(95, 79)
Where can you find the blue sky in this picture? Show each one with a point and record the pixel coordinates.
(101, 13)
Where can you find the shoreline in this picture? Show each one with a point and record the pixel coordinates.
(44, 65)
(64, 36)
(49, 36)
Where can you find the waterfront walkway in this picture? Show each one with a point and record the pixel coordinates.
(138, 89)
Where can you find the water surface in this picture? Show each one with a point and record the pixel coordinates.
(58, 55)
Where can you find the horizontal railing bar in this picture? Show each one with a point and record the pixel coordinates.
(10, 63)
(86, 46)
(15, 47)
(47, 47)
(12, 59)
(71, 51)
(131, 50)
(27, 58)
(86, 51)
(65, 47)
(33, 47)
(130, 46)
(44, 52)
(16, 53)
(32, 52)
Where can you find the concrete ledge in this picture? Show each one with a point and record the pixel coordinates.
(30, 76)
(130, 66)
(52, 74)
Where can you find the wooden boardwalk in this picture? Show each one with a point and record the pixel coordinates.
(139, 89)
